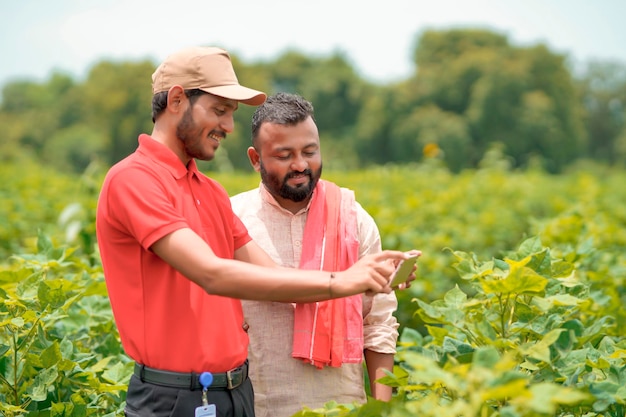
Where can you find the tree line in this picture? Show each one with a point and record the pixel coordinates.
(471, 90)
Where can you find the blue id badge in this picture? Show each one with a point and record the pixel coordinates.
(206, 411)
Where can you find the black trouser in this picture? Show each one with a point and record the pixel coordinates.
(149, 400)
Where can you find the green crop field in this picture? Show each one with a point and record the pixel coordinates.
(517, 309)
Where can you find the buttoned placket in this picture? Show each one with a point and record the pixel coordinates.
(197, 198)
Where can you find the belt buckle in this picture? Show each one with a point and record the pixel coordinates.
(229, 379)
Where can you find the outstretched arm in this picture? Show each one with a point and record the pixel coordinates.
(185, 251)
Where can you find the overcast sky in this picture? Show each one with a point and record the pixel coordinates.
(38, 36)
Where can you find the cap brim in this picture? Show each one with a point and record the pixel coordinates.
(239, 93)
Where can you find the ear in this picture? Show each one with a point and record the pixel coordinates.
(255, 158)
(175, 95)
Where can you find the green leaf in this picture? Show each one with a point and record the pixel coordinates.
(562, 269)
(62, 410)
(541, 349)
(399, 377)
(530, 246)
(485, 328)
(457, 347)
(411, 336)
(541, 262)
(43, 381)
(455, 298)
(486, 357)
(546, 398)
(51, 355)
(510, 389)
(66, 347)
(520, 280)
(430, 313)
(53, 292)
(438, 333)
(119, 373)
(101, 365)
(13, 276)
(17, 322)
(468, 267)
(44, 244)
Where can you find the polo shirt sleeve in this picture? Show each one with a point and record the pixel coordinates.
(240, 232)
(141, 205)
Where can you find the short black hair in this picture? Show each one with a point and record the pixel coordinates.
(159, 100)
(281, 108)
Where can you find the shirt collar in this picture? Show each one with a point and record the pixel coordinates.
(165, 157)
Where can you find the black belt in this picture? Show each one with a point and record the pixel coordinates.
(226, 380)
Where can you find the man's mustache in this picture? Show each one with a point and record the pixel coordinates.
(295, 174)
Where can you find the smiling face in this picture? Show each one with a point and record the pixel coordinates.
(204, 124)
(289, 160)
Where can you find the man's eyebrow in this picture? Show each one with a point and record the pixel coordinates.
(283, 148)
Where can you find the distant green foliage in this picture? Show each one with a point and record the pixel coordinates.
(470, 89)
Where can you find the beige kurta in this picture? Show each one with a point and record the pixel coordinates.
(282, 384)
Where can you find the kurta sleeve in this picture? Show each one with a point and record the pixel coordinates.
(380, 326)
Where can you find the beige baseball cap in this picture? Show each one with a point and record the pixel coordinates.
(206, 68)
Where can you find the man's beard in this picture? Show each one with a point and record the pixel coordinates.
(190, 135)
(279, 187)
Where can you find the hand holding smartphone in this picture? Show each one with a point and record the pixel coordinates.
(404, 269)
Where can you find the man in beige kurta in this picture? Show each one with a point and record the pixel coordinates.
(282, 384)
(286, 152)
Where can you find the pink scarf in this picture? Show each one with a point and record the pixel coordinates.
(329, 333)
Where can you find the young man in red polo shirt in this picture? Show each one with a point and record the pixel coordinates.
(172, 250)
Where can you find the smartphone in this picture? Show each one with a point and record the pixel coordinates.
(404, 269)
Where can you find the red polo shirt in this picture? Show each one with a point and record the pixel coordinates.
(165, 320)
